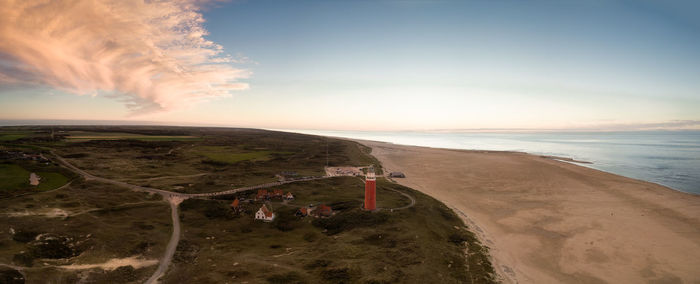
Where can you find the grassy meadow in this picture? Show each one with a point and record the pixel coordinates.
(87, 222)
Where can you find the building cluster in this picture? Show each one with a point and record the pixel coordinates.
(19, 155)
(266, 214)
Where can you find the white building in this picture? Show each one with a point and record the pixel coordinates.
(264, 214)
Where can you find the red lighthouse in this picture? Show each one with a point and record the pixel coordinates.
(370, 190)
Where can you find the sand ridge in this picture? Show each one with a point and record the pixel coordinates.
(549, 221)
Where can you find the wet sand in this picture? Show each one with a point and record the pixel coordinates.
(549, 221)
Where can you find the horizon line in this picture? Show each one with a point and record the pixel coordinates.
(675, 125)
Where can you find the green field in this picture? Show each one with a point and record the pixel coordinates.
(10, 136)
(87, 135)
(13, 177)
(51, 180)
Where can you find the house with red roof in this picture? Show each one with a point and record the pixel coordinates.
(264, 214)
(289, 196)
(302, 212)
(262, 194)
(235, 205)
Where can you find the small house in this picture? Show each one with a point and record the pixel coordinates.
(277, 193)
(264, 214)
(322, 211)
(302, 212)
(235, 205)
(262, 194)
(289, 196)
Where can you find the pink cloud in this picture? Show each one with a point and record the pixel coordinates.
(150, 54)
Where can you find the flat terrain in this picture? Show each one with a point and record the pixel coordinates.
(116, 207)
(549, 221)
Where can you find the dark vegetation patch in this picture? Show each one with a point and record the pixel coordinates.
(54, 247)
(186, 252)
(10, 276)
(286, 278)
(350, 219)
(24, 236)
(122, 274)
(318, 263)
(76, 155)
(212, 209)
(337, 275)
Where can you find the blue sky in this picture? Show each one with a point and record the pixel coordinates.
(433, 65)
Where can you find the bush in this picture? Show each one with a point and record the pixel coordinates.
(24, 259)
(23, 236)
(336, 275)
(317, 264)
(285, 222)
(287, 278)
(310, 236)
(51, 246)
(10, 276)
(459, 238)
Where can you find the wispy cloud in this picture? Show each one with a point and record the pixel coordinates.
(150, 54)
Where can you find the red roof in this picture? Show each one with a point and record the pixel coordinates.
(324, 210)
(266, 211)
(235, 203)
(303, 210)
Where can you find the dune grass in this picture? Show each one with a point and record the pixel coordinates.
(232, 155)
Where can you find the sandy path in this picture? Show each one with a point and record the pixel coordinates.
(172, 245)
(549, 221)
(114, 263)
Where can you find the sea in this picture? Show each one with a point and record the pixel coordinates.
(669, 158)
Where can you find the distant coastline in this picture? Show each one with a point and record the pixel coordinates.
(668, 158)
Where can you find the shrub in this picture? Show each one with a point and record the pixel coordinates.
(317, 264)
(287, 278)
(310, 236)
(23, 236)
(336, 275)
(23, 259)
(285, 222)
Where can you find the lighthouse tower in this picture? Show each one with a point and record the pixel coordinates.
(370, 190)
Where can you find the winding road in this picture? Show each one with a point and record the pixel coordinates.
(174, 198)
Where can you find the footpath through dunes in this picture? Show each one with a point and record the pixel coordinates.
(548, 221)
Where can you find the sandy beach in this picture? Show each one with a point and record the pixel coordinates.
(551, 221)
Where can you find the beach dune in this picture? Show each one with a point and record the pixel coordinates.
(549, 221)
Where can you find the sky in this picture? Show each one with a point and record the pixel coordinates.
(354, 65)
